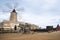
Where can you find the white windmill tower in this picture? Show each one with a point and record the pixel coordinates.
(14, 10)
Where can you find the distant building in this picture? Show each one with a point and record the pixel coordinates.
(14, 23)
(49, 28)
(58, 27)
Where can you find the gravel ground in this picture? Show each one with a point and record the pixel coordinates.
(35, 36)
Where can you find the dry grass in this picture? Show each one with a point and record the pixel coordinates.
(35, 36)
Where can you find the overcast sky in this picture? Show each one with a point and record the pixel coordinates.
(39, 12)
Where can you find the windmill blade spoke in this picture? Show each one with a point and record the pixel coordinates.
(5, 11)
(20, 9)
(19, 16)
(15, 5)
(9, 6)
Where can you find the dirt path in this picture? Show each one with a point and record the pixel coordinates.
(36, 36)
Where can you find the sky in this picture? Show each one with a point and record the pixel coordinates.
(39, 12)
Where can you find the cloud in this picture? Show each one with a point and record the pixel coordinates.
(4, 16)
(40, 12)
(42, 21)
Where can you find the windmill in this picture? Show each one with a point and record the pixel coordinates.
(13, 8)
